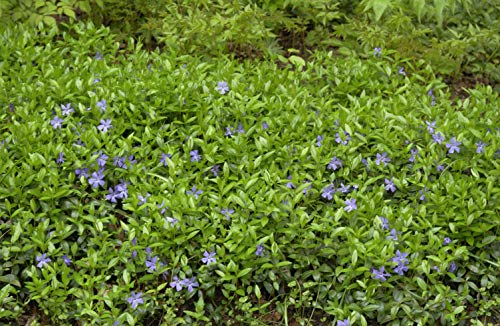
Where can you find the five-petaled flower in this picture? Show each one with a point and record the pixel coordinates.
(389, 185)
(222, 87)
(195, 156)
(480, 147)
(102, 105)
(377, 52)
(350, 205)
(260, 250)
(380, 274)
(67, 109)
(135, 299)
(208, 257)
(67, 260)
(42, 260)
(195, 192)
(382, 158)
(56, 122)
(453, 146)
(328, 192)
(334, 164)
(344, 322)
(105, 125)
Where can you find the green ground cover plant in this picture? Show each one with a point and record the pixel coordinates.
(147, 188)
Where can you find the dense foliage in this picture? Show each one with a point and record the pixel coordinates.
(140, 187)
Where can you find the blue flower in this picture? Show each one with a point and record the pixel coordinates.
(96, 179)
(194, 192)
(328, 192)
(431, 126)
(102, 105)
(401, 71)
(389, 186)
(453, 146)
(195, 156)
(446, 241)
(105, 125)
(480, 147)
(393, 235)
(60, 158)
(344, 189)
(385, 223)
(382, 158)
(67, 109)
(215, 170)
(190, 283)
(164, 157)
(222, 87)
(208, 257)
(135, 299)
(176, 283)
(380, 274)
(42, 260)
(350, 205)
(334, 164)
(453, 267)
(56, 122)
(151, 264)
(67, 260)
(344, 322)
(319, 139)
(438, 138)
(377, 52)
(260, 250)
(143, 199)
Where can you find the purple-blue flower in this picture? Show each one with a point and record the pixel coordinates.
(222, 87)
(446, 241)
(260, 250)
(151, 264)
(453, 146)
(67, 109)
(382, 158)
(431, 126)
(334, 164)
(227, 212)
(400, 258)
(393, 235)
(229, 132)
(135, 299)
(208, 257)
(56, 122)
(101, 160)
(385, 223)
(344, 322)
(176, 283)
(265, 125)
(328, 192)
(344, 189)
(453, 267)
(60, 158)
(339, 140)
(401, 71)
(350, 205)
(164, 157)
(215, 170)
(98, 56)
(319, 139)
(42, 260)
(389, 185)
(143, 199)
(190, 283)
(105, 125)
(102, 105)
(195, 192)
(67, 260)
(82, 172)
(414, 153)
(195, 156)
(380, 274)
(377, 52)
(96, 179)
(119, 162)
(480, 147)
(240, 129)
(438, 138)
